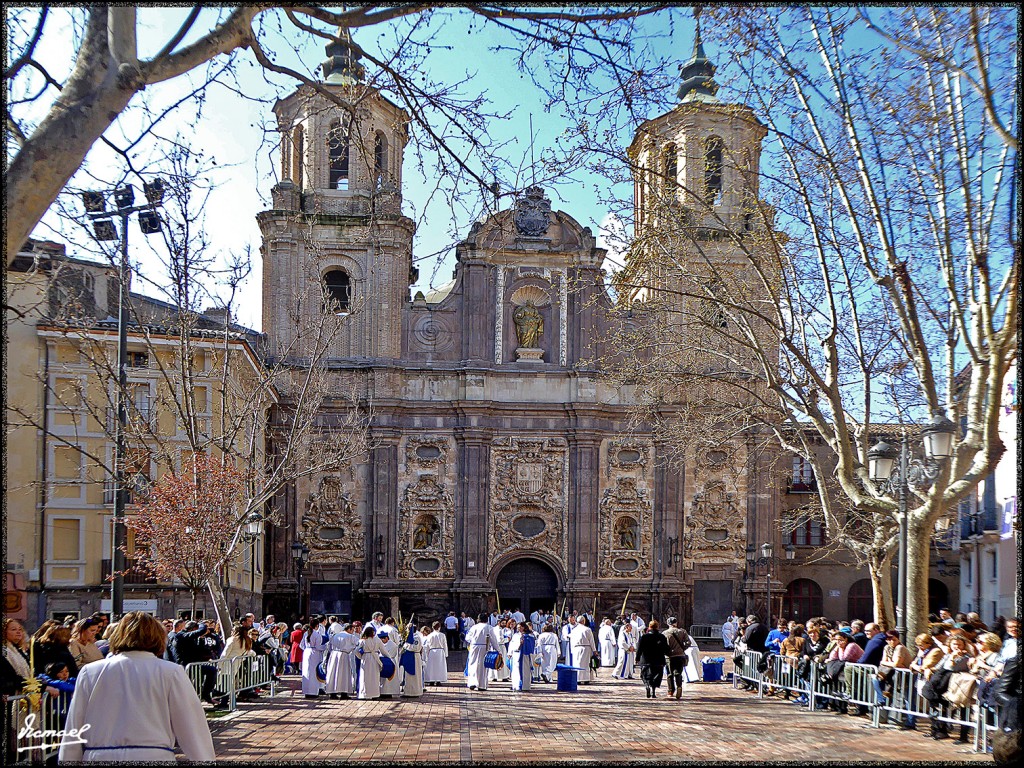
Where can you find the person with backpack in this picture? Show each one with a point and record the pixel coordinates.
(679, 643)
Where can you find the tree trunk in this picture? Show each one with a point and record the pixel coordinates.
(220, 606)
(91, 100)
(192, 614)
(881, 590)
(918, 557)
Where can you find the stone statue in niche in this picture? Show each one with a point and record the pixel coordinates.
(424, 535)
(529, 325)
(626, 531)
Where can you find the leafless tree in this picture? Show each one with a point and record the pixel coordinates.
(53, 122)
(877, 282)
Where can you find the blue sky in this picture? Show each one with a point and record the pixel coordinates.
(231, 134)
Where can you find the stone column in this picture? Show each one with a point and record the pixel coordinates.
(583, 522)
(472, 503)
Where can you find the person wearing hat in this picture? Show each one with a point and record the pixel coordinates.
(340, 673)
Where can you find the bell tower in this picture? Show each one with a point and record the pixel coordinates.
(335, 242)
(695, 172)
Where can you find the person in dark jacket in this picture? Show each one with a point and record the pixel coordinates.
(171, 654)
(198, 643)
(50, 645)
(873, 650)
(755, 636)
(650, 655)
(860, 637)
(1007, 694)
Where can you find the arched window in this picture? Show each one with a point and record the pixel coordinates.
(380, 157)
(337, 151)
(713, 148)
(860, 602)
(802, 600)
(337, 291)
(670, 167)
(298, 149)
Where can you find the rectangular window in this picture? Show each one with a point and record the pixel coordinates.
(968, 569)
(995, 565)
(808, 534)
(67, 464)
(137, 360)
(67, 539)
(802, 479)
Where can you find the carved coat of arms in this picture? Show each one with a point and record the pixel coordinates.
(532, 212)
(530, 477)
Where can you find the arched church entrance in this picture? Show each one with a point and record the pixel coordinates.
(527, 584)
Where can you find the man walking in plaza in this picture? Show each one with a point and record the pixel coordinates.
(678, 641)
(451, 631)
(650, 654)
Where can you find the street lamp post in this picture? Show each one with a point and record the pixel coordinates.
(912, 473)
(103, 228)
(767, 559)
(299, 553)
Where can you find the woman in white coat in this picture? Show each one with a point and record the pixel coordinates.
(368, 664)
(391, 647)
(339, 663)
(435, 649)
(627, 653)
(547, 645)
(133, 706)
(728, 633)
(607, 643)
(522, 647)
(313, 645)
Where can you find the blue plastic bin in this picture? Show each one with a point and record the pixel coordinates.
(712, 670)
(568, 677)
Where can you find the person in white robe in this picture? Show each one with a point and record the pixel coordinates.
(368, 665)
(480, 639)
(412, 664)
(564, 635)
(582, 646)
(606, 637)
(503, 672)
(133, 705)
(435, 648)
(692, 672)
(728, 633)
(547, 645)
(522, 648)
(392, 649)
(340, 671)
(627, 653)
(639, 625)
(313, 646)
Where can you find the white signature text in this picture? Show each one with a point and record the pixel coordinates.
(56, 738)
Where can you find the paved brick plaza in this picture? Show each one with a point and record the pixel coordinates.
(608, 721)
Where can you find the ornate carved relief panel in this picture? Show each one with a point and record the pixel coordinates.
(529, 495)
(332, 527)
(626, 529)
(715, 529)
(426, 509)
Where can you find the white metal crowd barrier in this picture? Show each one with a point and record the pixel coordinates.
(856, 686)
(23, 743)
(705, 632)
(241, 673)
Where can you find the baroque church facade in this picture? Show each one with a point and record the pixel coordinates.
(501, 463)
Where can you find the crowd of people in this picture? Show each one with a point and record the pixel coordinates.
(958, 662)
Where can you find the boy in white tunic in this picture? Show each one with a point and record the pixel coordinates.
(412, 664)
(627, 653)
(392, 649)
(435, 646)
(480, 638)
(547, 645)
(522, 648)
(368, 667)
(313, 645)
(606, 637)
(339, 663)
